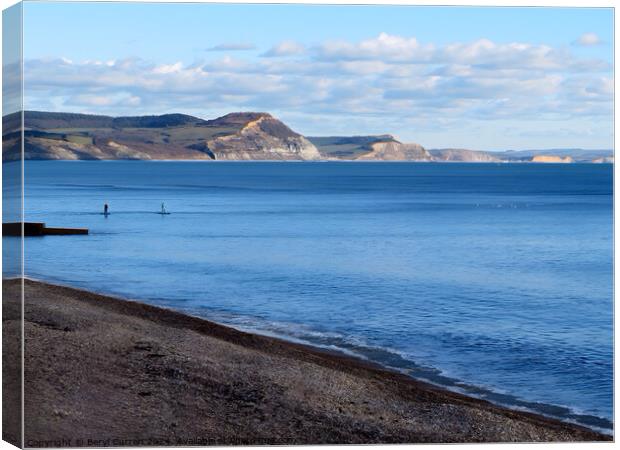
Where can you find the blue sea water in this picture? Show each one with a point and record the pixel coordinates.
(493, 280)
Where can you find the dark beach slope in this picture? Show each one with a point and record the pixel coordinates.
(126, 373)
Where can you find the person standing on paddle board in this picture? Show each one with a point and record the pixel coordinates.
(105, 209)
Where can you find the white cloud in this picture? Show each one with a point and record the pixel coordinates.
(384, 47)
(168, 68)
(482, 52)
(588, 39)
(285, 48)
(503, 56)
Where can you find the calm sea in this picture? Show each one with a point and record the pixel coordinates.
(493, 280)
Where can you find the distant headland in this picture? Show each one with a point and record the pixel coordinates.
(238, 136)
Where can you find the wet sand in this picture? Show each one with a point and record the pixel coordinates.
(107, 371)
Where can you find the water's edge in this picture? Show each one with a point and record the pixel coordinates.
(410, 368)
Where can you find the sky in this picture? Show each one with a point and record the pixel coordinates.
(461, 77)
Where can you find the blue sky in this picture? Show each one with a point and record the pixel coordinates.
(484, 78)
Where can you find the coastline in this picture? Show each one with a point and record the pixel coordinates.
(113, 368)
(300, 161)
